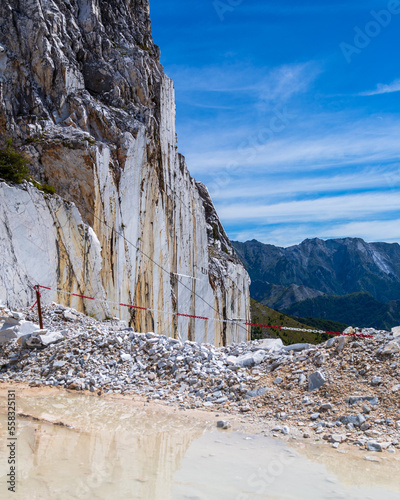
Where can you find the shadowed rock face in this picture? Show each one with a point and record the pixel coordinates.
(82, 92)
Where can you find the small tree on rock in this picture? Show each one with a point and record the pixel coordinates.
(13, 164)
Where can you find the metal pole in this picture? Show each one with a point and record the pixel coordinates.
(39, 307)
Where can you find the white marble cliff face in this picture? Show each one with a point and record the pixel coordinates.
(130, 225)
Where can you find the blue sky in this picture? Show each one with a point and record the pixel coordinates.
(289, 112)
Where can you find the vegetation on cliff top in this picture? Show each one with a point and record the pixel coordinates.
(356, 309)
(262, 314)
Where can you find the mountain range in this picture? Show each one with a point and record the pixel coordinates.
(346, 280)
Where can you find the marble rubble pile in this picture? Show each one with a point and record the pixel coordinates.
(13, 326)
(26, 333)
(346, 390)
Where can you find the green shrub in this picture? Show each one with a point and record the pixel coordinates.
(14, 167)
(215, 231)
(46, 188)
(13, 164)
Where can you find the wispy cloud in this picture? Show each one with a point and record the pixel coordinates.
(372, 230)
(383, 89)
(351, 145)
(292, 234)
(281, 236)
(340, 208)
(285, 81)
(278, 83)
(368, 178)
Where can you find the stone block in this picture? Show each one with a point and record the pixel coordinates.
(316, 380)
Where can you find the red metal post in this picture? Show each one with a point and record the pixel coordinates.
(39, 307)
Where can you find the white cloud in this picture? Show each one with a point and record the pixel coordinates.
(345, 208)
(384, 89)
(285, 81)
(282, 236)
(374, 230)
(364, 143)
(253, 187)
(268, 84)
(293, 234)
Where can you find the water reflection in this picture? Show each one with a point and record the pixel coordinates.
(113, 449)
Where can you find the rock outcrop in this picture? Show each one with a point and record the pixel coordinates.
(83, 94)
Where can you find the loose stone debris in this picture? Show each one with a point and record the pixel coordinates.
(346, 390)
(223, 424)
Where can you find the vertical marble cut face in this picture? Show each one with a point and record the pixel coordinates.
(89, 103)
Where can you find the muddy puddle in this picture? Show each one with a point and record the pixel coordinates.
(84, 447)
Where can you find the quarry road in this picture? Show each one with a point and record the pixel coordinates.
(85, 447)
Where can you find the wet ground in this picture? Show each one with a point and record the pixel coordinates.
(73, 446)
